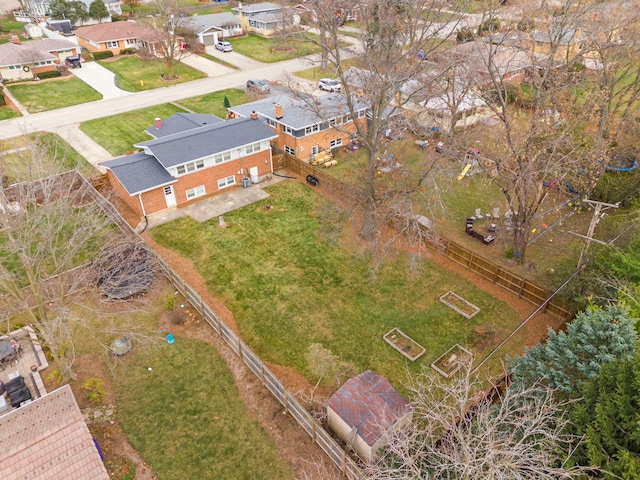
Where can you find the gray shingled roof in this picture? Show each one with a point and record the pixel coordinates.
(207, 140)
(267, 17)
(201, 23)
(181, 122)
(369, 403)
(31, 51)
(297, 113)
(139, 172)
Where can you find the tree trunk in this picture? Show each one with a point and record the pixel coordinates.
(520, 239)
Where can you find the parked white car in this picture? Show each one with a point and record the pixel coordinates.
(224, 46)
(329, 85)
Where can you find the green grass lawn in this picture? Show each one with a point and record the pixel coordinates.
(180, 409)
(7, 113)
(51, 147)
(118, 133)
(135, 74)
(261, 49)
(214, 102)
(290, 282)
(52, 94)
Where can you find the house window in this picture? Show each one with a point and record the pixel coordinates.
(226, 182)
(288, 130)
(361, 113)
(270, 122)
(195, 192)
(222, 157)
(14, 67)
(315, 149)
(289, 150)
(255, 147)
(312, 129)
(190, 167)
(130, 42)
(336, 142)
(112, 44)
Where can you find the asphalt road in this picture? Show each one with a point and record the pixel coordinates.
(55, 119)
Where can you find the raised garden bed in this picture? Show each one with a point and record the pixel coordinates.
(459, 304)
(452, 360)
(404, 344)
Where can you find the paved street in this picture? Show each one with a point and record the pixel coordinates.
(103, 108)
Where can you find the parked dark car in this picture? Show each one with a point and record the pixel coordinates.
(73, 62)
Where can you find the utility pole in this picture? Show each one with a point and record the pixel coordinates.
(597, 215)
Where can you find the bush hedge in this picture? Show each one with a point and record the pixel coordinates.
(50, 74)
(102, 55)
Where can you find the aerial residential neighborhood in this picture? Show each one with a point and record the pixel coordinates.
(356, 240)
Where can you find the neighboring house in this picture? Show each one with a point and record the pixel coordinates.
(365, 411)
(217, 26)
(39, 10)
(197, 162)
(305, 129)
(63, 27)
(118, 36)
(566, 44)
(25, 60)
(265, 18)
(48, 439)
(511, 64)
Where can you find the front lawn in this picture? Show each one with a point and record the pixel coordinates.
(118, 133)
(135, 74)
(52, 94)
(292, 280)
(214, 102)
(7, 113)
(271, 50)
(181, 410)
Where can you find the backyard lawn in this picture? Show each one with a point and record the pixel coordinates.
(118, 133)
(180, 409)
(270, 50)
(135, 74)
(291, 281)
(52, 94)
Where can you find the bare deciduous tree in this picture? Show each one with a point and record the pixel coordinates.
(50, 229)
(517, 434)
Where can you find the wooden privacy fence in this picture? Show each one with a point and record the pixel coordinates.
(469, 259)
(73, 181)
(319, 435)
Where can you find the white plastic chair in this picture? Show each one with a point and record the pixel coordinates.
(495, 215)
(478, 215)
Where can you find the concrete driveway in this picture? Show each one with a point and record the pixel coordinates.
(212, 69)
(100, 79)
(235, 59)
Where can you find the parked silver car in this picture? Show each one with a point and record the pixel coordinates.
(256, 85)
(224, 46)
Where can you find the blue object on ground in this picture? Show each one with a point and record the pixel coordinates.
(170, 339)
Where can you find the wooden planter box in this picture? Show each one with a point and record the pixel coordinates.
(404, 344)
(452, 360)
(459, 304)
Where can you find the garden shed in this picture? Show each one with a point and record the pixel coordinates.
(365, 411)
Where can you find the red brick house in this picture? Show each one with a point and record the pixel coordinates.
(365, 411)
(304, 129)
(116, 36)
(200, 157)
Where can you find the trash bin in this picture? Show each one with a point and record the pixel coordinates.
(246, 182)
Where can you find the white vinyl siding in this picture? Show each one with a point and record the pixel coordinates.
(195, 192)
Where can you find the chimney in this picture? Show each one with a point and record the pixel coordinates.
(239, 5)
(158, 123)
(254, 115)
(16, 39)
(278, 111)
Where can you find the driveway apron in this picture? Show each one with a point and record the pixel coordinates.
(100, 79)
(235, 59)
(212, 69)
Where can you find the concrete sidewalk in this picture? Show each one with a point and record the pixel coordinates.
(83, 144)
